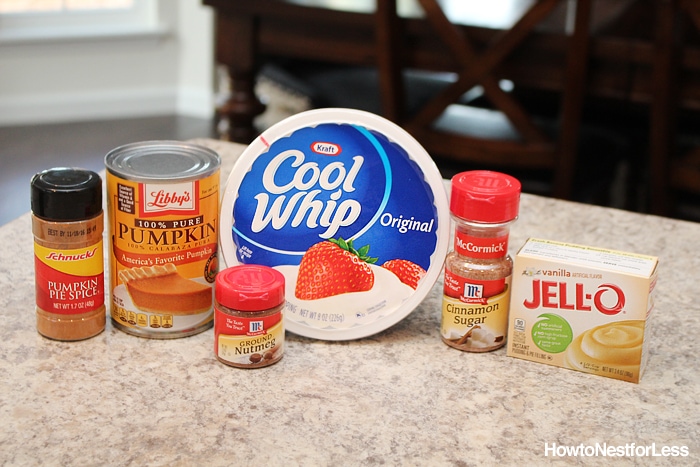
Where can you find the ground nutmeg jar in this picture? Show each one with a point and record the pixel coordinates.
(248, 316)
(478, 271)
(67, 223)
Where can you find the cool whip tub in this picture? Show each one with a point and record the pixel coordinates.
(350, 208)
(582, 308)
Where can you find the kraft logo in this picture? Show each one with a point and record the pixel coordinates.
(328, 149)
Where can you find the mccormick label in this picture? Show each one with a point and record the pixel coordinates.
(475, 311)
(480, 247)
(69, 281)
(582, 308)
(244, 341)
(164, 233)
(346, 214)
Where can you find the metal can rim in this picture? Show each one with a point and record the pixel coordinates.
(119, 161)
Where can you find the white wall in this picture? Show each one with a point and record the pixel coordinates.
(196, 70)
(131, 76)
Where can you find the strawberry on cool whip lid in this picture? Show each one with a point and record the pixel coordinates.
(350, 209)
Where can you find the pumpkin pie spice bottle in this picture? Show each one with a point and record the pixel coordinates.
(67, 223)
(478, 271)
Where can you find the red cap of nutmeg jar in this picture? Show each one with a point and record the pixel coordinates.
(249, 287)
(485, 196)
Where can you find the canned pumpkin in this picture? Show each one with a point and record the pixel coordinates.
(162, 202)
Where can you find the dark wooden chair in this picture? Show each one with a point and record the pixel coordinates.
(483, 61)
(674, 169)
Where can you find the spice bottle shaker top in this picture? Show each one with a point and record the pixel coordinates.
(485, 196)
(250, 288)
(66, 194)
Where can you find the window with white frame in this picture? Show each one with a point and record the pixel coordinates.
(28, 6)
(56, 19)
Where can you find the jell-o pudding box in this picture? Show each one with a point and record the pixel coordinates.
(583, 308)
(350, 209)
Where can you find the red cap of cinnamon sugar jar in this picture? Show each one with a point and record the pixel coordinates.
(485, 196)
(250, 287)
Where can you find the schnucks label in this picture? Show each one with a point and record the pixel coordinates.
(346, 214)
(69, 281)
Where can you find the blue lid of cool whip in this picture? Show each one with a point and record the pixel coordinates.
(350, 208)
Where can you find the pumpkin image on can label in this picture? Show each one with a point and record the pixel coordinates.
(163, 219)
(350, 209)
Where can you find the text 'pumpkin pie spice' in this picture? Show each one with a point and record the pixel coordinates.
(248, 317)
(163, 202)
(67, 223)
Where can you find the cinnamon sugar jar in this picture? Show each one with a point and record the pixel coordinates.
(478, 271)
(67, 223)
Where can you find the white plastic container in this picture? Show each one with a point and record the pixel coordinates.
(330, 179)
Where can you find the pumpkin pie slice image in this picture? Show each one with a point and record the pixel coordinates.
(161, 289)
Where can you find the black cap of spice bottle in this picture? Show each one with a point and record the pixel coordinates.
(66, 194)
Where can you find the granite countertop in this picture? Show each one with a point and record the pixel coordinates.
(400, 397)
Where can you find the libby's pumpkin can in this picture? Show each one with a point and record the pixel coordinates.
(162, 204)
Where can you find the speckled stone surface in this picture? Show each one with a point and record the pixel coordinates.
(400, 397)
